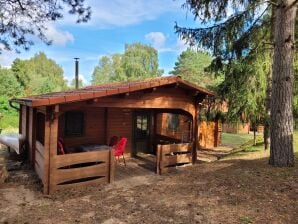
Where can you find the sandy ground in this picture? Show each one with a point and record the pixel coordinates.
(239, 189)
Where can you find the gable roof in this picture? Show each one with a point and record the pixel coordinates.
(107, 89)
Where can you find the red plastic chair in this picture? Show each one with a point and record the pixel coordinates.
(119, 149)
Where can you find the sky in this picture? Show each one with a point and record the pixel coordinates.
(113, 24)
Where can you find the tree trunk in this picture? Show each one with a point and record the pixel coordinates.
(281, 131)
(269, 87)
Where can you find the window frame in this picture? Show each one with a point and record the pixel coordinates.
(67, 116)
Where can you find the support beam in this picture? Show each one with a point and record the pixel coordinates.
(195, 133)
(32, 135)
(106, 125)
(53, 143)
(46, 165)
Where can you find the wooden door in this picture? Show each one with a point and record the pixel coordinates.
(141, 132)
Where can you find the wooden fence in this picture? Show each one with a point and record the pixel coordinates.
(171, 156)
(81, 169)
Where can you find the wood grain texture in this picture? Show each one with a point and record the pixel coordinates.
(208, 135)
(80, 184)
(46, 165)
(183, 132)
(112, 166)
(94, 127)
(63, 175)
(120, 124)
(83, 157)
(31, 135)
(161, 98)
(170, 156)
(101, 167)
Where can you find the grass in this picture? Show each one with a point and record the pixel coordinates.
(235, 140)
(245, 141)
(9, 121)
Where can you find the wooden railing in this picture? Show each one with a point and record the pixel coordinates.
(171, 156)
(81, 169)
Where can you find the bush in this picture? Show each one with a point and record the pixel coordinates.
(9, 117)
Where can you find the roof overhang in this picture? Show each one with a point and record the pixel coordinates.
(109, 89)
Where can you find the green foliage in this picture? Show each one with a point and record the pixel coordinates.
(34, 76)
(9, 85)
(227, 36)
(73, 83)
(244, 88)
(192, 66)
(8, 116)
(138, 62)
(39, 75)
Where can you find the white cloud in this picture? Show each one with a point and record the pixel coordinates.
(159, 42)
(59, 37)
(157, 39)
(119, 13)
(6, 57)
(181, 45)
(81, 77)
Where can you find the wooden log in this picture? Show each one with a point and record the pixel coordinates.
(46, 152)
(80, 184)
(172, 160)
(82, 157)
(182, 147)
(158, 158)
(64, 175)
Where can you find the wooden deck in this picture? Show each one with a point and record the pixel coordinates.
(142, 165)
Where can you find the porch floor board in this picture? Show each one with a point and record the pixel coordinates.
(140, 166)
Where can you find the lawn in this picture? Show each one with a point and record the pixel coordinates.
(245, 141)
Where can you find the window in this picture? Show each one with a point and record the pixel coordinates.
(173, 122)
(142, 130)
(40, 126)
(74, 124)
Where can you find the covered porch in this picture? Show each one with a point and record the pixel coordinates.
(159, 119)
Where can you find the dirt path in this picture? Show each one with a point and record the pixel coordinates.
(236, 190)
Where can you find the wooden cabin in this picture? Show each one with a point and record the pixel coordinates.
(158, 116)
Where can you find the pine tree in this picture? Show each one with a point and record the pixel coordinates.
(229, 27)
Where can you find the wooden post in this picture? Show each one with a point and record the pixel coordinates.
(54, 121)
(158, 155)
(112, 166)
(31, 135)
(47, 151)
(106, 125)
(195, 133)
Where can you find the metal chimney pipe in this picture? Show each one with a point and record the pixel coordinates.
(77, 72)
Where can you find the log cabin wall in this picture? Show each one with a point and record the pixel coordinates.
(183, 132)
(119, 113)
(94, 127)
(24, 114)
(119, 123)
